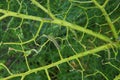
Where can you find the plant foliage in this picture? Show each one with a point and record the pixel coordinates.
(59, 40)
